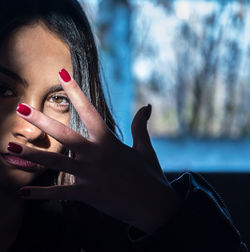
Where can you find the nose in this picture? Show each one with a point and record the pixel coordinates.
(25, 131)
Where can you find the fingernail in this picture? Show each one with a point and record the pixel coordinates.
(23, 193)
(14, 148)
(148, 111)
(23, 109)
(65, 76)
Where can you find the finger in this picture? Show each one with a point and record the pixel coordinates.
(64, 192)
(87, 112)
(51, 160)
(63, 134)
(141, 138)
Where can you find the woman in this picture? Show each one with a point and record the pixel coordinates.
(66, 181)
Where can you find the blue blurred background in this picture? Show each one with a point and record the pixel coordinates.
(190, 60)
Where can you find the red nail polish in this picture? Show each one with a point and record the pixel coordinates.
(23, 109)
(14, 148)
(65, 75)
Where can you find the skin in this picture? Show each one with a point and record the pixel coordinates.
(121, 181)
(30, 52)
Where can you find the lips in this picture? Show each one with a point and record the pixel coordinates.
(17, 161)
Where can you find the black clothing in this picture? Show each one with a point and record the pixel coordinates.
(203, 224)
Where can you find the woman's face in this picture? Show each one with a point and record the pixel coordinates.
(30, 59)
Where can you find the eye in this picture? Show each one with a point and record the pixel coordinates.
(6, 92)
(60, 101)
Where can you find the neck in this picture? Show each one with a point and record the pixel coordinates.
(11, 215)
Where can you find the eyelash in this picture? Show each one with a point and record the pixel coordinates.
(60, 106)
(4, 89)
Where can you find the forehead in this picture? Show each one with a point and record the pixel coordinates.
(34, 48)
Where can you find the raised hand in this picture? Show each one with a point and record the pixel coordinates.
(123, 182)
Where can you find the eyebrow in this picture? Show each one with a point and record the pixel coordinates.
(55, 88)
(13, 75)
(16, 77)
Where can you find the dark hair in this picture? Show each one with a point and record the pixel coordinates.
(67, 19)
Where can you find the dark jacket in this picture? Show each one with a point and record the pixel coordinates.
(203, 224)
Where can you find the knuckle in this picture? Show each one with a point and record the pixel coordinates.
(65, 131)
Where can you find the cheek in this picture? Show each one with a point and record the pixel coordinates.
(55, 146)
(7, 109)
(7, 117)
(58, 115)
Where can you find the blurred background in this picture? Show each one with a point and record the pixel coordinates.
(191, 61)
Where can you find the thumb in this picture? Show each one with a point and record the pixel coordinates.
(141, 138)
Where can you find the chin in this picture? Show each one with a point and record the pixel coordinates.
(11, 179)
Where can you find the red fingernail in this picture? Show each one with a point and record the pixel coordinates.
(23, 193)
(65, 75)
(14, 148)
(23, 109)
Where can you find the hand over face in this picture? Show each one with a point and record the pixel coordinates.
(123, 182)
